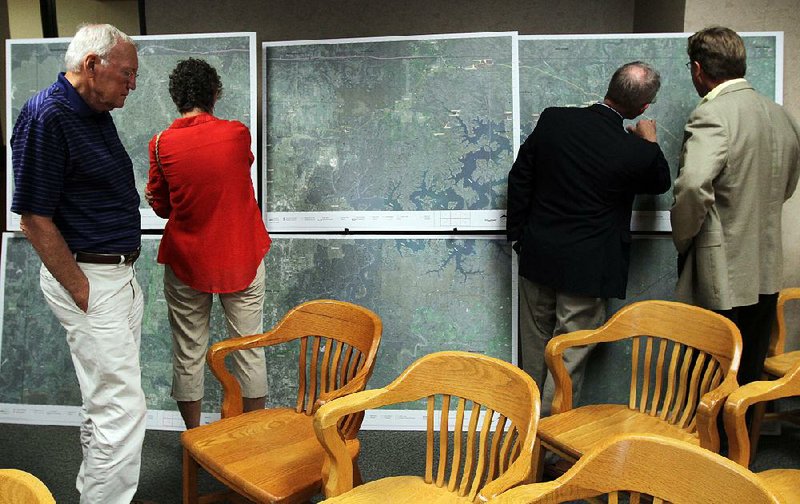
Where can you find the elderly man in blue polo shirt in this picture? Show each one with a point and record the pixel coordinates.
(74, 188)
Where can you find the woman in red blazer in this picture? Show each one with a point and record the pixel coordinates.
(215, 240)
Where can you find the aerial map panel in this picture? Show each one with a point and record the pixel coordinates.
(411, 133)
(432, 293)
(572, 70)
(34, 64)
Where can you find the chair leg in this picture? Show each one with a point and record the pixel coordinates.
(538, 459)
(755, 427)
(356, 474)
(189, 479)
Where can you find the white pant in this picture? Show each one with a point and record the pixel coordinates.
(104, 343)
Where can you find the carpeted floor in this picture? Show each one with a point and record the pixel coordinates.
(53, 455)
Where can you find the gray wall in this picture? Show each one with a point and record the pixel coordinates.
(316, 19)
(658, 17)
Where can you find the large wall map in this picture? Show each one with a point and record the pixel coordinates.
(572, 70)
(432, 294)
(411, 133)
(34, 65)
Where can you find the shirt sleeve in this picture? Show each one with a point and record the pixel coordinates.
(704, 156)
(520, 187)
(657, 179)
(39, 161)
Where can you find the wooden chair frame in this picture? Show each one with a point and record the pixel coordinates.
(647, 465)
(776, 365)
(481, 453)
(684, 362)
(17, 486)
(338, 347)
(739, 448)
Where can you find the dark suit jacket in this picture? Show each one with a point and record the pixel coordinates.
(570, 197)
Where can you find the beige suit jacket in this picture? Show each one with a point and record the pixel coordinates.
(740, 162)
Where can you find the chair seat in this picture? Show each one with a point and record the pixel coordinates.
(398, 490)
(579, 429)
(270, 455)
(779, 365)
(786, 482)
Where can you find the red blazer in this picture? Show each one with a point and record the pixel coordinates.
(215, 237)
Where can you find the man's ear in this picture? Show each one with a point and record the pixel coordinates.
(90, 63)
(644, 107)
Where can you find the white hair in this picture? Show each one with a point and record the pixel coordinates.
(96, 39)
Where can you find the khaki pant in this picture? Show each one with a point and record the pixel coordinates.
(545, 313)
(189, 317)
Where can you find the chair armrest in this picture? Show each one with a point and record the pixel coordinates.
(744, 397)
(528, 493)
(708, 410)
(519, 473)
(562, 396)
(339, 478)
(231, 391)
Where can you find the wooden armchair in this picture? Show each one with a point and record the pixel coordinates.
(684, 361)
(23, 487)
(644, 466)
(783, 481)
(493, 431)
(272, 455)
(776, 365)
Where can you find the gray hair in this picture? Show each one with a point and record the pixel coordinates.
(96, 39)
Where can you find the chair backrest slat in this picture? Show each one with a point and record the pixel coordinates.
(458, 435)
(659, 372)
(694, 395)
(324, 363)
(507, 450)
(646, 371)
(430, 436)
(483, 455)
(634, 372)
(494, 451)
(333, 370)
(671, 380)
(313, 378)
(680, 394)
(444, 430)
(470, 455)
(345, 372)
(302, 384)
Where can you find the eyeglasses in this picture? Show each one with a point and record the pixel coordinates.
(689, 65)
(128, 74)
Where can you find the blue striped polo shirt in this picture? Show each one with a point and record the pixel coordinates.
(69, 164)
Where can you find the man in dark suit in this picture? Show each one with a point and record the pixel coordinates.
(570, 197)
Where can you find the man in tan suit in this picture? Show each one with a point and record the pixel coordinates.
(740, 162)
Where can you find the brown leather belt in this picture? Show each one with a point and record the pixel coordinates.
(94, 258)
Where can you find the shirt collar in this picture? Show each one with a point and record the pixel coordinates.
(73, 98)
(611, 108)
(185, 122)
(717, 90)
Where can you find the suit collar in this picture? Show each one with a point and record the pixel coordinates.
(608, 112)
(726, 87)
